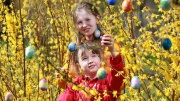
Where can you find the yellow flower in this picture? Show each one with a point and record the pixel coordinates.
(75, 87)
(105, 93)
(99, 98)
(103, 63)
(115, 94)
(158, 92)
(139, 2)
(123, 96)
(21, 92)
(93, 92)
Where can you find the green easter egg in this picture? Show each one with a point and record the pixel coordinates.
(165, 4)
(30, 52)
(101, 73)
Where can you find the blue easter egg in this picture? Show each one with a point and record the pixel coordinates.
(135, 82)
(111, 2)
(101, 73)
(165, 4)
(30, 52)
(166, 44)
(97, 34)
(72, 47)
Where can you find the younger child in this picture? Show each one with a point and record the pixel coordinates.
(87, 60)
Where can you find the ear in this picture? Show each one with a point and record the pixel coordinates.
(77, 65)
(98, 17)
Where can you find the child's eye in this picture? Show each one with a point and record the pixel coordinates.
(87, 19)
(79, 23)
(94, 55)
(84, 58)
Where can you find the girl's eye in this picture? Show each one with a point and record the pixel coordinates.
(94, 55)
(87, 19)
(84, 58)
(79, 23)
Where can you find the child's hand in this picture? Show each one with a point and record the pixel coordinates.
(108, 41)
(57, 75)
(60, 73)
(59, 78)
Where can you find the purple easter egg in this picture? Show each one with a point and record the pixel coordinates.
(9, 96)
(43, 84)
(135, 82)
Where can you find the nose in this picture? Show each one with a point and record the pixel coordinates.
(90, 60)
(84, 24)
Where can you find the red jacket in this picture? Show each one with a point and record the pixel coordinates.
(110, 83)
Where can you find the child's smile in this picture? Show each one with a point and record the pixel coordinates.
(86, 23)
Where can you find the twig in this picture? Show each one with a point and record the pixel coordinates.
(38, 81)
(108, 7)
(162, 92)
(24, 60)
(59, 49)
(148, 93)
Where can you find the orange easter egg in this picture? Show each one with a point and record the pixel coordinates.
(61, 83)
(127, 5)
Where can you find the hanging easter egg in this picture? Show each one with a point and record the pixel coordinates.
(135, 82)
(9, 96)
(127, 5)
(111, 2)
(43, 84)
(166, 44)
(97, 34)
(165, 4)
(30, 52)
(61, 83)
(72, 47)
(101, 73)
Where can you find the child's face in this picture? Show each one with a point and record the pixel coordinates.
(89, 63)
(86, 23)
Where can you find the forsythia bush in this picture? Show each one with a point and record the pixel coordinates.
(47, 25)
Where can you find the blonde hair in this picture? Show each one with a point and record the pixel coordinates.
(90, 8)
(81, 49)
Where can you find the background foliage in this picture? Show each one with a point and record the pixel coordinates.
(48, 26)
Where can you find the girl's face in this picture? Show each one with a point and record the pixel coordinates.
(89, 63)
(86, 24)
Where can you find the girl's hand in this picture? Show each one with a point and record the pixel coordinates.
(108, 41)
(60, 72)
(57, 75)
